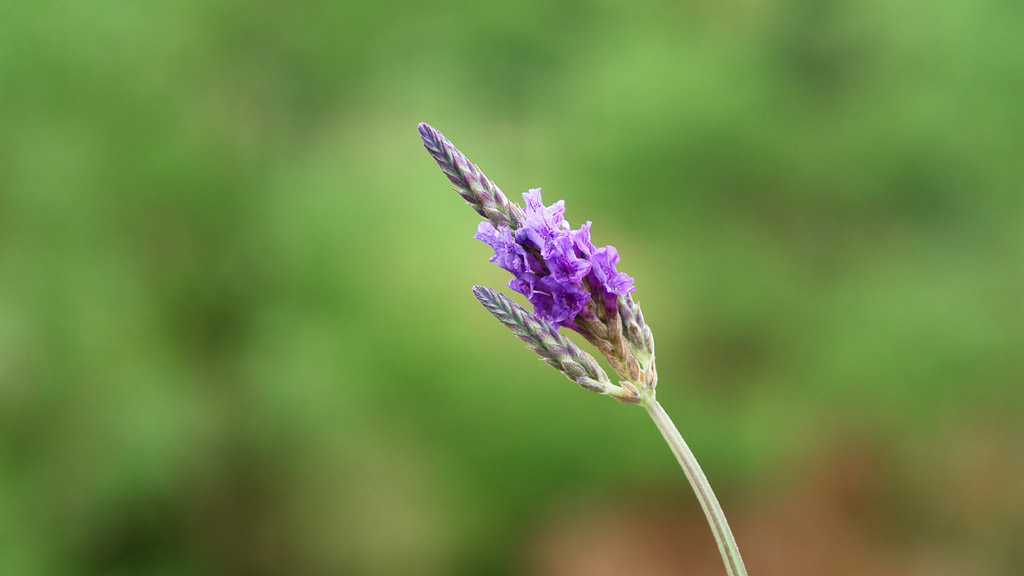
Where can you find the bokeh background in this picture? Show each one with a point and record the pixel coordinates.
(236, 329)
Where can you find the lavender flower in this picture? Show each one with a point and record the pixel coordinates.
(570, 282)
(573, 284)
(553, 281)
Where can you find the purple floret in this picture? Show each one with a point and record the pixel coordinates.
(543, 224)
(507, 253)
(549, 262)
(565, 265)
(603, 273)
(603, 270)
(558, 302)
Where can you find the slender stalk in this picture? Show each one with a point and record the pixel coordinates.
(712, 509)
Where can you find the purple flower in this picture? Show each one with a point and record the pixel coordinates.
(507, 253)
(604, 274)
(558, 302)
(542, 224)
(570, 282)
(603, 270)
(550, 261)
(581, 238)
(563, 262)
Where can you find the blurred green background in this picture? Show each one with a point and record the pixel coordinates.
(237, 334)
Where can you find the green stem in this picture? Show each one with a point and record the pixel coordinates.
(712, 509)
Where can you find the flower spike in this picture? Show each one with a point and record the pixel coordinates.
(573, 284)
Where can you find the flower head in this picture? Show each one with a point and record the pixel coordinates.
(557, 268)
(570, 282)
